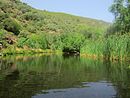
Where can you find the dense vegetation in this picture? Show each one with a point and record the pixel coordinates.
(121, 10)
(116, 42)
(25, 27)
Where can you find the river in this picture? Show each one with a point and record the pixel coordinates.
(57, 76)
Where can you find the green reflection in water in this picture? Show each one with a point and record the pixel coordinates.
(24, 77)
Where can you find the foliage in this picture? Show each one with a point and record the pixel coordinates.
(72, 41)
(55, 42)
(35, 21)
(38, 29)
(11, 26)
(33, 41)
(93, 47)
(21, 42)
(33, 16)
(118, 46)
(113, 47)
(1, 35)
(121, 10)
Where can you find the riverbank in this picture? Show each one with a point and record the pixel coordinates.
(21, 51)
(14, 51)
(101, 57)
(112, 48)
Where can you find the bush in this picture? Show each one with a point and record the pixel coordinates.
(1, 35)
(21, 42)
(33, 16)
(11, 26)
(72, 41)
(36, 41)
(3, 16)
(53, 41)
(23, 33)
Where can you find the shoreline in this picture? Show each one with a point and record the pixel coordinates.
(20, 51)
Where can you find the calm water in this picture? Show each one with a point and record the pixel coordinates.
(56, 76)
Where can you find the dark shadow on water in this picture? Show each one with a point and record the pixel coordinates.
(69, 55)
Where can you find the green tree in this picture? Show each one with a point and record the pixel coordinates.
(121, 11)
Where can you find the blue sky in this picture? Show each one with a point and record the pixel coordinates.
(97, 9)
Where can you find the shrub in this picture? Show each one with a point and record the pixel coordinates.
(3, 16)
(72, 41)
(36, 41)
(33, 16)
(11, 26)
(53, 41)
(1, 35)
(21, 42)
(23, 33)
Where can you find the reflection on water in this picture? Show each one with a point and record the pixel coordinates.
(55, 76)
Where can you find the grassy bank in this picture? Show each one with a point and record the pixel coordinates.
(111, 48)
(14, 51)
(114, 48)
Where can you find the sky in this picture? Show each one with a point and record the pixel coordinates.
(97, 9)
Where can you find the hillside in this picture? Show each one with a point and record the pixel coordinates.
(18, 20)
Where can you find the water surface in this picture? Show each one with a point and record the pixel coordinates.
(57, 76)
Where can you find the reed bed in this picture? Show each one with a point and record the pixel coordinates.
(114, 47)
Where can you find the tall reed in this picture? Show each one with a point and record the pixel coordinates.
(113, 47)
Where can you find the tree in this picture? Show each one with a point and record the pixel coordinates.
(121, 11)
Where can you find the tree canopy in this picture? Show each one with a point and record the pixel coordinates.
(121, 11)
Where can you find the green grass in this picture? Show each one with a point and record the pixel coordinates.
(93, 47)
(13, 50)
(113, 47)
(118, 46)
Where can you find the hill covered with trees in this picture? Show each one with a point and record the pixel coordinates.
(25, 27)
